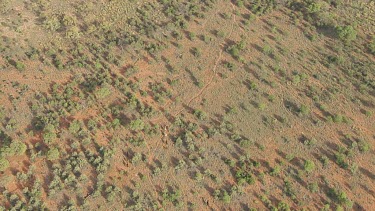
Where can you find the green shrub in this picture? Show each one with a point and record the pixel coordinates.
(115, 123)
(341, 160)
(244, 177)
(235, 49)
(230, 66)
(18, 147)
(245, 143)
(49, 137)
(289, 157)
(261, 7)
(52, 23)
(192, 36)
(339, 196)
(196, 52)
(314, 7)
(4, 164)
(304, 110)
(172, 196)
(200, 114)
(262, 106)
(309, 166)
(103, 92)
(346, 33)
(267, 49)
(226, 198)
(338, 118)
(372, 46)
(53, 154)
(240, 3)
(283, 206)
(223, 196)
(313, 187)
(73, 32)
(20, 66)
(137, 125)
(363, 146)
(14, 148)
(74, 127)
(275, 171)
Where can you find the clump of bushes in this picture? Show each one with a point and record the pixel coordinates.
(303, 110)
(261, 7)
(20, 66)
(315, 12)
(235, 49)
(363, 146)
(171, 196)
(14, 148)
(200, 114)
(338, 118)
(137, 125)
(340, 197)
(341, 158)
(346, 33)
(223, 195)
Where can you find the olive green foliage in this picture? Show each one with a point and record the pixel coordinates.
(261, 7)
(283, 206)
(75, 127)
(137, 125)
(103, 92)
(171, 196)
(364, 146)
(304, 110)
(18, 147)
(309, 166)
(20, 65)
(244, 177)
(236, 49)
(346, 33)
(4, 164)
(52, 23)
(184, 91)
(223, 195)
(340, 197)
(341, 159)
(53, 154)
(49, 134)
(314, 11)
(372, 46)
(14, 148)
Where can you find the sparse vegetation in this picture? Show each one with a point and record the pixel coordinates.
(186, 105)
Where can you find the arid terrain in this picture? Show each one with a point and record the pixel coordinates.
(187, 105)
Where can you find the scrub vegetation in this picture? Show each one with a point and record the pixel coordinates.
(187, 105)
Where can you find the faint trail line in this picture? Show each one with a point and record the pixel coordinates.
(211, 79)
(213, 69)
